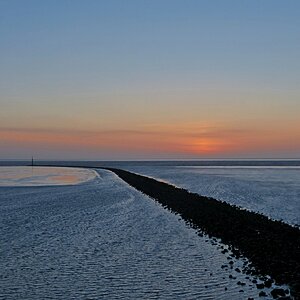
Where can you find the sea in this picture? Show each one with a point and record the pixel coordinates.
(73, 234)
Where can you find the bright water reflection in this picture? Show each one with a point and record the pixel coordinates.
(41, 176)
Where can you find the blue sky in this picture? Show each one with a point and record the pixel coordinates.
(94, 66)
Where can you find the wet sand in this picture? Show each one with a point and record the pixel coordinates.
(104, 239)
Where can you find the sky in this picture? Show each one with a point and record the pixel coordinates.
(149, 79)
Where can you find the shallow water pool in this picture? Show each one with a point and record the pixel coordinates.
(44, 176)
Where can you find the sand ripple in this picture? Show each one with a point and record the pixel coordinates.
(105, 240)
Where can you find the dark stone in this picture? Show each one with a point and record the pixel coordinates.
(268, 283)
(260, 285)
(262, 294)
(276, 293)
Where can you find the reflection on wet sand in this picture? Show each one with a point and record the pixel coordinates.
(40, 176)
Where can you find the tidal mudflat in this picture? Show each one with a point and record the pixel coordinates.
(103, 239)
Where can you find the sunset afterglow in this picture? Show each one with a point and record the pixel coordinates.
(149, 79)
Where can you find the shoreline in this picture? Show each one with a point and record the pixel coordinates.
(272, 247)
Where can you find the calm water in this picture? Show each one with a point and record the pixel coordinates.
(104, 240)
(40, 176)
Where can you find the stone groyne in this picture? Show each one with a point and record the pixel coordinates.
(272, 247)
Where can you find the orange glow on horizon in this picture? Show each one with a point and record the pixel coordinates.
(186, 139)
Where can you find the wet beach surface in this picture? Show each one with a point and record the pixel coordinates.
(104, 239)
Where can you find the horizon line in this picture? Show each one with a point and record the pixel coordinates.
(156, 159)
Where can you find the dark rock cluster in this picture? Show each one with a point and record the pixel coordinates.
(272, 247)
